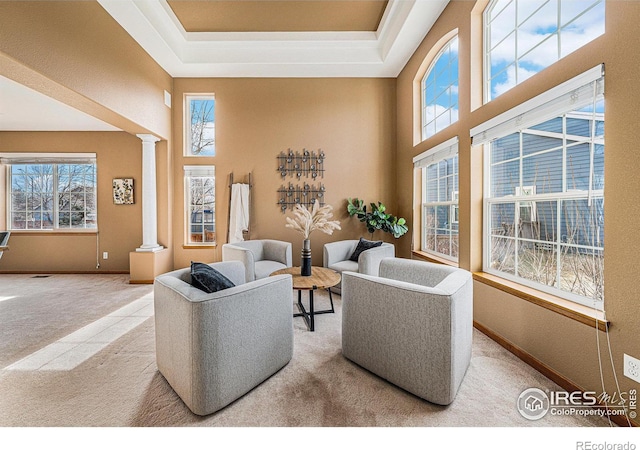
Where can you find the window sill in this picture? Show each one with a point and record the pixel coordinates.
(199, 246)
(582, 314)
(433, 258)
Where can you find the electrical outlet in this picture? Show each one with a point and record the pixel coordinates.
(632, 367)
(105, 255)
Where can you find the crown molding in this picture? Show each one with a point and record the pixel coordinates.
(382, 53)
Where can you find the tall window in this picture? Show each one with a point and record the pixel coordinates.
(200, 188)
(544, 193)
(51, 192)
(440, 91)
(522, 37)
(200, 126)
(439, 234)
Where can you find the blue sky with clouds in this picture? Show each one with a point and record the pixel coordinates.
(528, 35)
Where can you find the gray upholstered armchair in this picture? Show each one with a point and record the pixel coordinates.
(261, 257)
(411, 326)
(214, 348)
(336, 256)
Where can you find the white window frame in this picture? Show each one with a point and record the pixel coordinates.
(187, 124)
(560, 27)
(455, 209)
(55, 160)
(576, 93)
(193, 172)
(443, 151)
(424, 106)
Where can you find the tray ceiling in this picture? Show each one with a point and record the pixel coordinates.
(285, 16)
(294, 38)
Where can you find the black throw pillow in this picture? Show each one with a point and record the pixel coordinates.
(208, 279)
(363, 245)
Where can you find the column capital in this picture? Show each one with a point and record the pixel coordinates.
(148, 138)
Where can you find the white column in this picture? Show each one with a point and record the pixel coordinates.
(149, 207)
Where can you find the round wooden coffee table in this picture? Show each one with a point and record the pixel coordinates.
(320, 278)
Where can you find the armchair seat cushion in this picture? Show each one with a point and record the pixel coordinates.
(265, 268)
(336, 256)
(345, 266)
(260, 257)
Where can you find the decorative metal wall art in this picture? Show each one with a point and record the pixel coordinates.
(307, 164)
(305, 195)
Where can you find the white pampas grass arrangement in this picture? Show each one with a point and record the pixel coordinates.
(306, 221)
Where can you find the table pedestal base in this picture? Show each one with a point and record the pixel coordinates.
(308, 316)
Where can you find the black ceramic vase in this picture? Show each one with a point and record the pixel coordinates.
(305, 266)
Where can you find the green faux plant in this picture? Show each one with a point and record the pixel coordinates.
(377, 218)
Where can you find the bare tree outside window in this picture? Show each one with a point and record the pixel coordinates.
(201, 133)
(52, 196)
(202, 201)
(32, 197)
(76, 196)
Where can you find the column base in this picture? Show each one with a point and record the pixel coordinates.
(150, 249)
(145, 266)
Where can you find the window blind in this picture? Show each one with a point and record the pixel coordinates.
(199, 171)
(47, 158)
(441, 151)
(570, 95)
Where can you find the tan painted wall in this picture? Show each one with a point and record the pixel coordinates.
(119, 155)
(75, 52)
(351, 120)
(566, 346)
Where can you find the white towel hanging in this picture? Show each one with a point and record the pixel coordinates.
(238, 212)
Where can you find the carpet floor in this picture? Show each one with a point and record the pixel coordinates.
(120, 386)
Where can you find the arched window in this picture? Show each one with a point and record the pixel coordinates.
(440, 91)
(522, 37)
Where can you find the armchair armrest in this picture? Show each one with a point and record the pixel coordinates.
(232, 252)
(369, 260)
(415, 272)
(334, 252)
(279, 251)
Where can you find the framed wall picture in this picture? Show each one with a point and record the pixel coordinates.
(123, 191)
